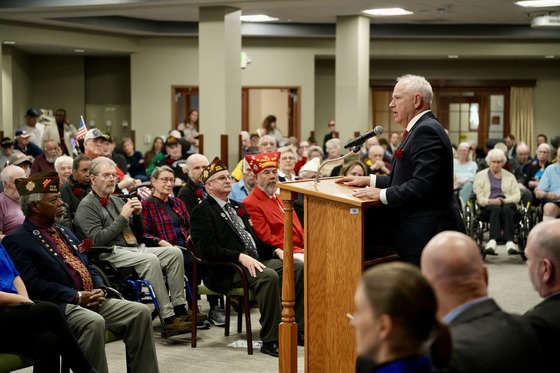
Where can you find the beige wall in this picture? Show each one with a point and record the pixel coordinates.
(266, 102)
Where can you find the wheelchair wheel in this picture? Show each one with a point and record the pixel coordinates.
(469, 219)
(524, 227)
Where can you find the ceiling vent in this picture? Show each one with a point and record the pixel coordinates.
(546, 21)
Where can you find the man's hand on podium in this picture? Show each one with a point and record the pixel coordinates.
(358, 181)
(367, 192)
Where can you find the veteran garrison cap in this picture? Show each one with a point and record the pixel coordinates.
(41, 182)
(213, 168)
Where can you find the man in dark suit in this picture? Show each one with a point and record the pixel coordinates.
(419, 190)
(543, 263)
(484, 338)
(221, 230)
(48, 258)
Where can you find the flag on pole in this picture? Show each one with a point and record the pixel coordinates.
(82, 130)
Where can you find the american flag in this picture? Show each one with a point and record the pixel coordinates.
(82, 130)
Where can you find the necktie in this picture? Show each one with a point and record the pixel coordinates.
(72, 259)
(405, 133)
(250, 248)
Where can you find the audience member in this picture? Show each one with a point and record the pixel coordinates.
(109, 221)
(243, 187)
(246, 144)
(22, 161)
(267, 144)
(541, 139)
(543, 264)
(190, 130)
(166, 219)
(193, 191)
(62, 132)
(109, 152)
(520, 167)
(222, 231)
(45, 161)
(270, 129)
(157, 146)
(6, 150)
(509, 140)
(38, 330)
(394, 142)
(465, 171)
(11, 216)
(134, 161)
(331, 134)
(38, 248)
(176, 159)
(23, 145)
(376, 164)
(265, 207)
(63, 166)
(548, 190)
(354, 168)
(33, 127)
(334, 150)
(287, 164)
(419, 190)
(484, 338)
(535, 172)
(498, 194)
(302, 154)
(77, 186)
(395, 319)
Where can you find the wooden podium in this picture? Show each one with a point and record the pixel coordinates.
(334, 260)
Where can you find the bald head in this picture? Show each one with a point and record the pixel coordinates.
(452, 263)
(543, 257)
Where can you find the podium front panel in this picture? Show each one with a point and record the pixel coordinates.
(333, 269)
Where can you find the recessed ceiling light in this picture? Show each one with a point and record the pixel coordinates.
(453, 56)
(387, 12)
(9, 42)
(538, 3)
(550, 56)
(258, 18)
(79, 50)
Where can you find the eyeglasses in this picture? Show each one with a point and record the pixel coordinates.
(167, 180)
(222, 179)
(107, 176)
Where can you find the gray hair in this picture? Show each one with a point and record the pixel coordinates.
(333, 142)
(465, 145)
(315, 148)
(496, 155)
(9, 174)
(62, 159)
(158, 170)
(27, 200)
(418, 84)
(97, 162)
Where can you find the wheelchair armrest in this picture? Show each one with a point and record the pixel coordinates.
(113, 293)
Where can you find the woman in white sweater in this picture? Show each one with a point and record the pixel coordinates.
(497, 193)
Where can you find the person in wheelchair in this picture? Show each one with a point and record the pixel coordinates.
(465, 171)
(548, 190)
(49, 262)
(109, 221)
(497, 193)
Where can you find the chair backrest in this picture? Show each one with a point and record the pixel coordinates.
(191, 248)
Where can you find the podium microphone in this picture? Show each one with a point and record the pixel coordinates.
(362, 138)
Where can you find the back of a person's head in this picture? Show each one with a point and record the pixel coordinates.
(400, 291)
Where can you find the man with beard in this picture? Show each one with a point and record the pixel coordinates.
(221, 229)
(62, 132)
(266, 208)
(109, 221)
(45, 161)
(77, 185)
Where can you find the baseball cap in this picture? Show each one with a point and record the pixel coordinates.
(22, 133)
(18, 159)
(32, 113)
(6, 142)
(94, 133)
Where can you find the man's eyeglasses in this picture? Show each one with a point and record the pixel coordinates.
(222, 179)
(167, 180)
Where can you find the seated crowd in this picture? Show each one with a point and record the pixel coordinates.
(57, 203)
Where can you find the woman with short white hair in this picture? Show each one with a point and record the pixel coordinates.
(63, 165)
(465, 171)
(497, 193)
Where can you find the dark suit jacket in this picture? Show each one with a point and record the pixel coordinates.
(487, 339)
(187, 194)
(217, 239)
(545, 319)
(420, 187)
(44, 272)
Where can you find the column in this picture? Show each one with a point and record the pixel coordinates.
(220, 79)
(352, 94)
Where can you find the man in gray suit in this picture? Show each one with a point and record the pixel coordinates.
(543, 263)
(485, 338)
